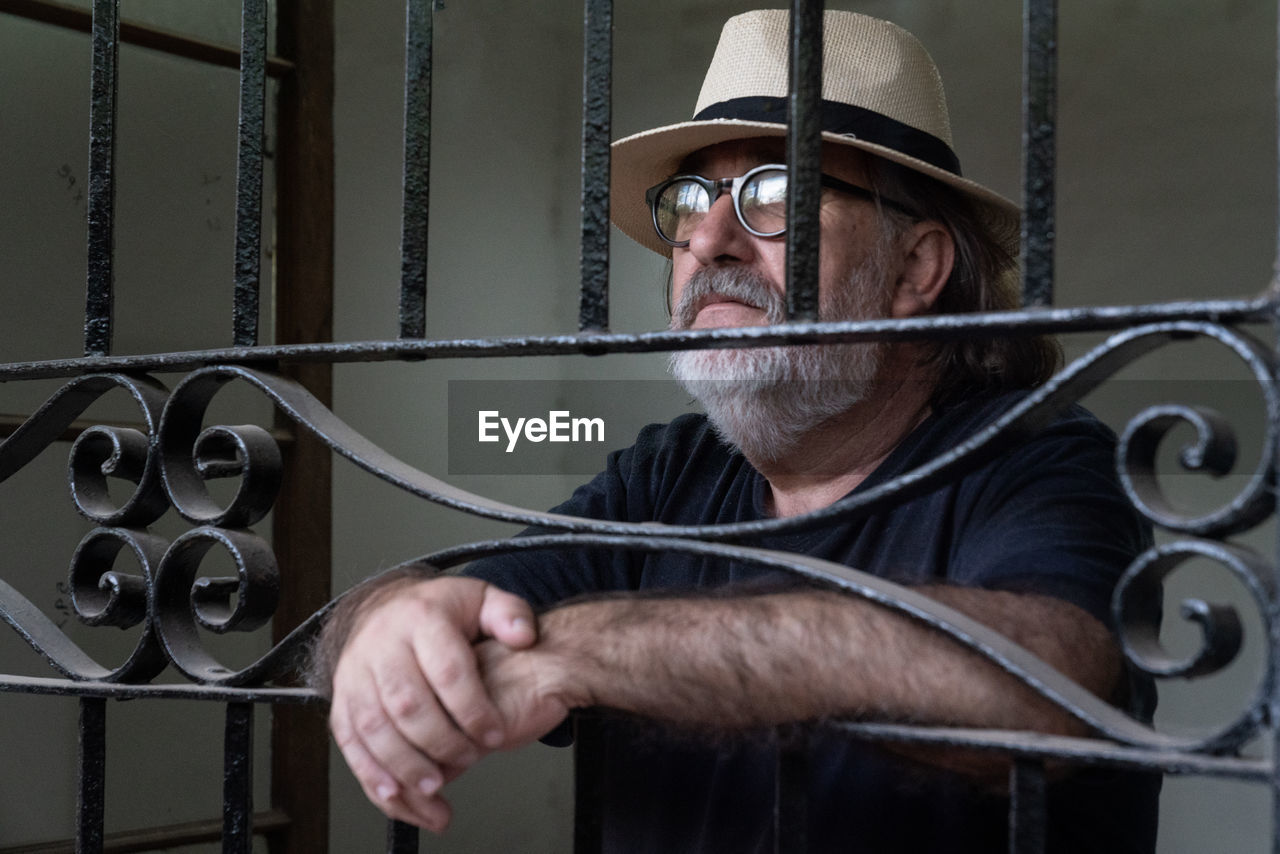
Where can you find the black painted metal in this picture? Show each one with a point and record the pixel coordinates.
(804, 159)
(597, 122)
(401, 838)
(253, 99)
(100, 295)
(1027, 807)
(237, 787)
(791, 792)
(418, 39)
(938, 328)
(1039, 148)
(91, 794)
(588, 782)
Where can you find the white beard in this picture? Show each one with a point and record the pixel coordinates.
(763, 400)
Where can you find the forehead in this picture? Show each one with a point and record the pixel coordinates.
(727, 159)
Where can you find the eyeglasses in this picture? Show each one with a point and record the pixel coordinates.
(759, 199)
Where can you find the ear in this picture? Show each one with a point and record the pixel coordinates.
(928, 256)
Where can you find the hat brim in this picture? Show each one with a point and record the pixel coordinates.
(644, 159)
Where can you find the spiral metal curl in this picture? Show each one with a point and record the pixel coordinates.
(100, 452)
(1136, 608)
(121, 452)
(101, 596)
(191, 456)
(1213, 452)
(184, 603)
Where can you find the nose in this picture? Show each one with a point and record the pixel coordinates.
(719, 238)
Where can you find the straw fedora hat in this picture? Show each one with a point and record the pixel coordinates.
(881, 93)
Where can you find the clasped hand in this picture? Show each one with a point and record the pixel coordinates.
(431, 679)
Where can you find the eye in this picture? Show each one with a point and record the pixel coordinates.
(763, 202)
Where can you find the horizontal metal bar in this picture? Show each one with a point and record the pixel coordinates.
(158, 838)
(141, 35)
(10, 422)
(1081, 751)
(1077, 751)
(120, 691)
(948, 327)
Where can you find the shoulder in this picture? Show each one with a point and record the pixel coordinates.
(973, 415)
(1011, 429)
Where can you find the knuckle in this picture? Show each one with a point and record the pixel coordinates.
(449, 672)
(403, 701)
(343, 736)
(455, 749)
(472, 719)
(369, 722)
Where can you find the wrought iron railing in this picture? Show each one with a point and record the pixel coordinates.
(169, 456)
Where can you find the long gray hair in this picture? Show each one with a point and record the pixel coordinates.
(985, 278)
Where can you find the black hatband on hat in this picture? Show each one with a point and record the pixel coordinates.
(845, 119)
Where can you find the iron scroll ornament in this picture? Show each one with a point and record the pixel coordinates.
(178, 605)
(100, 595)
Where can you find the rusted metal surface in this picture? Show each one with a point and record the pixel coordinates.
(597, 123)
(249, 153)
(804, 160)
(1039, 149)
(100, 293)
(941, 328)
(417, 168)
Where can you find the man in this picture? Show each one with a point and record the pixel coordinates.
(432, 674)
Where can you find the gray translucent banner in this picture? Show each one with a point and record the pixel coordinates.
(549, 426)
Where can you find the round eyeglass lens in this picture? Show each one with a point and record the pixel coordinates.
(763, 202)
(681, 206)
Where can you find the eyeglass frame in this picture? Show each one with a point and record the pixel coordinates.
(716, 187)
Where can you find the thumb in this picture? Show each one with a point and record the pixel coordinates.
(507, 618)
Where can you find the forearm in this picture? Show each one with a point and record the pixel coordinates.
(737, 663)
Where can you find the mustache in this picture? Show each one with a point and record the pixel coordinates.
(746, 286)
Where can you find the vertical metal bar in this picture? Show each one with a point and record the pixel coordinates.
(417, 168)
(791, 792)
(102, 185)
(1026, 807)
(597, 117)
(588, 779)
(90, 798)
(237, 782)
(1039, 157)
(804, 159)
(401, 838)
(253, 100)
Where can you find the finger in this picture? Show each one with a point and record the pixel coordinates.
(377, 705)
(507, 618)
(448, 662)
(419, 723)
(405, 785)
(416, 804)
(430, 812)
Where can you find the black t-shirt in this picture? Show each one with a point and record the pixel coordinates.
(1046, 515)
